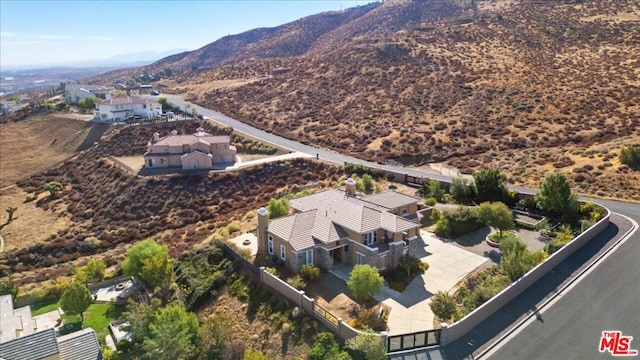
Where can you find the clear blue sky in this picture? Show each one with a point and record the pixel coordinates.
(46, 32)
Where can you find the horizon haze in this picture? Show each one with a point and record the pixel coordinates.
(39, 34)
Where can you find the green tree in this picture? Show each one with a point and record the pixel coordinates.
(53, 187)
(139, 315)
(277, 207)
(630, 156)
(364, 281)
(215, 335)
(490, 185)
(432, 188)
(370, 345)
(325, 347)
(92, 272)
(76, 299)
(443, 305)
(157, 273)
(556, 200)
(461, 192)
(8, 287)
(10, 211)
(173, 334)
(150, 262)
(367, 182)
(516, 260)
(495, 214)
(88, 104)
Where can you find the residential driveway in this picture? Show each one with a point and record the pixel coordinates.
(475, 242)
(448, 264)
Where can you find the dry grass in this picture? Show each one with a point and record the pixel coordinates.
(30, 224)
(33, 145)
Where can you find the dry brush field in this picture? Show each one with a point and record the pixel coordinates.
(103, 201)
(547, 86)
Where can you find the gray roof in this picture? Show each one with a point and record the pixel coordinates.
(391, 199)
(192, 139)
(79, 345)
(324, 217)
(35, 346)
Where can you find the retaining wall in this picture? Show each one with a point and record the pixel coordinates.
(458, 329)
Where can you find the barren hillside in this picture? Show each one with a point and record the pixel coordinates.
(518, 84)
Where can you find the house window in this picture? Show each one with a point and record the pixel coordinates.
(307, 257)
(270, 242)
(405, 210)
(370, 238)
(283, 252)
(161, 161)
(359, 258)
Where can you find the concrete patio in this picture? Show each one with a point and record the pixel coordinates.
(448, 264)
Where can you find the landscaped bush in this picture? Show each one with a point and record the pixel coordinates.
(374, 318)
(201, 273)
(297, 282)
(310, 272)
(457, 223)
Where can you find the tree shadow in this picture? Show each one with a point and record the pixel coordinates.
(493, 255)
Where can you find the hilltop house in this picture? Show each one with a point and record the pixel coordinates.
(196, 151)
(121, 108)
(336, 226)
(76, 92)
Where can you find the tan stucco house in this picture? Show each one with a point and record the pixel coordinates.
(189, 152)
(339, 226)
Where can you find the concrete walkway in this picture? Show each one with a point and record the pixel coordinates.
(448, 264)
(292, 155)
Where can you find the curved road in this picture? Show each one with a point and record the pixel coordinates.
(607, 300)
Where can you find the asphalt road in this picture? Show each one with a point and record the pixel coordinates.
(607, 299)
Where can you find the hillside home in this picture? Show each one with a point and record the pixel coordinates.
(120, 108)
(34, 338)
(189, 152)
(73, 93)
(339, 227)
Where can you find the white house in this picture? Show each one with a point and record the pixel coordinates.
(76, 92)
(121, 108)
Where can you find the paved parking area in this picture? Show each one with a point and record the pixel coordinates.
(448, 264)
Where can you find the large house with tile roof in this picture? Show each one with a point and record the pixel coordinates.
(340, 227)
(189, 152)
(34, 338)
(120, 108)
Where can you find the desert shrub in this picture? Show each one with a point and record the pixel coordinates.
(430, 201)
(297, 282)
(92, 242)
(239, 287)
(359, 169)
(443, 305)
(309, 272)
(374, 318)
(630, 156)
(233, 227)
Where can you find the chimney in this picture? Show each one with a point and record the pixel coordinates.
(350, 187)
(263, 225)
(156, 137)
